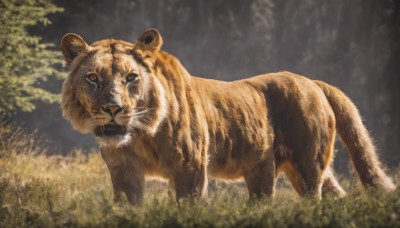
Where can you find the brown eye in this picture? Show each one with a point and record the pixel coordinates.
(131, 77)
(91, 77)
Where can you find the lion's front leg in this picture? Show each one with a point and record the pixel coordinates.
(190, 182)
(126, 177)
(261, 179)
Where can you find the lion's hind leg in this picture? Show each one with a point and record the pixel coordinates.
(331, 185)
(306, 181)
(308, 171)
(293, 176)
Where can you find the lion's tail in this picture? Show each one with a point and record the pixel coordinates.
(357, 140)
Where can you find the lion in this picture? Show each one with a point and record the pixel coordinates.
(152, 118)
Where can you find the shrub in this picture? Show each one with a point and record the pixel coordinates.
(14, 139)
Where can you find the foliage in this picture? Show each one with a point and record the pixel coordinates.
(25, 61)
(76, 191)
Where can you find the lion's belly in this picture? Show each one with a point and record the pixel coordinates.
(230, 158)
(227, 170)
(239, 139)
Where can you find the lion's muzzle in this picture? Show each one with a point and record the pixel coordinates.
(110, 130)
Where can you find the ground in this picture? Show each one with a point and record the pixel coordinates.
(39, 190)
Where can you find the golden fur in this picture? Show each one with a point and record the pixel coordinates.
(152, 118)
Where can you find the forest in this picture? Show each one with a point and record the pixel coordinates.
(353, 45)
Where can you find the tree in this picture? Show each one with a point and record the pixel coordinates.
(25, 62)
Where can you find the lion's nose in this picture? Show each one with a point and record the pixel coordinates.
(111, 109)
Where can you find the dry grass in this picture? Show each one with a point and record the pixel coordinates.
(41, 191)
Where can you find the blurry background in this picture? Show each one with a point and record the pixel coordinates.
(354, 45)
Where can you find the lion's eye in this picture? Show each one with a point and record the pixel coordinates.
(131, 77)
(92, 77)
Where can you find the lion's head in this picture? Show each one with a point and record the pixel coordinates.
(112, 89)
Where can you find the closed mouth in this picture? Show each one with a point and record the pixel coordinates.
(110, 130)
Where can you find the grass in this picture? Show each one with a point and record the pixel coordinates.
(38, 190)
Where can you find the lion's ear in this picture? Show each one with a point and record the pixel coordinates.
(72, 45)
(151, 39)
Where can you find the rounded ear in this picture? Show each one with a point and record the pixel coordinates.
(72, 45)
(151, 39)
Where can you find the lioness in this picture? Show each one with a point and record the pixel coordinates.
(152, 118)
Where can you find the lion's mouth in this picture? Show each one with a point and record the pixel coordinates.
(110, 130)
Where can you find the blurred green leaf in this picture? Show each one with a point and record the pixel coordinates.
(25, 61)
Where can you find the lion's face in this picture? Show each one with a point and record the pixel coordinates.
(107, 91)
(111, 88)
